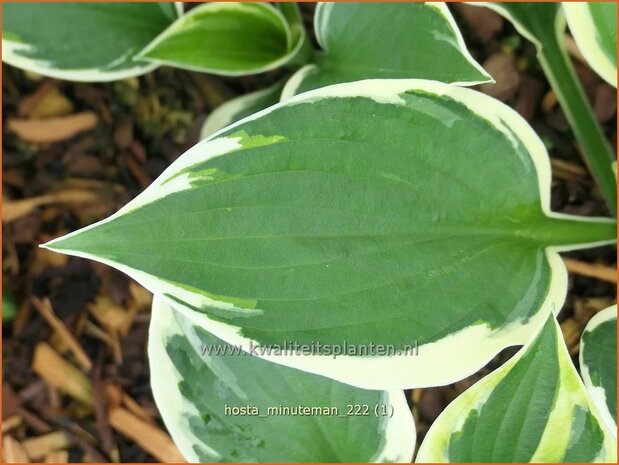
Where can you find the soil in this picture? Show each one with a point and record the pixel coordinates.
(74, 153)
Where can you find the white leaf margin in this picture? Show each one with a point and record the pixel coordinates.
(555, 438)
(213, 7)
(583, 28)
(442, 362)
(597, 393)
(321, 24)
(12, 56)
(399, 433)
(225, 113)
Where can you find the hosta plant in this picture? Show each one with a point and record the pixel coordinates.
(365, 225)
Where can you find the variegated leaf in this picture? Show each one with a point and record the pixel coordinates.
(598, 363)
(386, 40)
(594, 27)
(227, 38)
(532, 409)
(406, 213)
(221, 404)
(82, 41)
(240, 107)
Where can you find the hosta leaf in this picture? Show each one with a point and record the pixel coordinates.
(359, 41)
(404, 212)
(197, 394)
(594, 27)
(532, 409)
(240, 107)
(598, 363)
(82, 41)
(227, 38)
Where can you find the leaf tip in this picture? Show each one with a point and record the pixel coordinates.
(69, 244)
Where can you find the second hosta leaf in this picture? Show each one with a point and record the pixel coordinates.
(386, 40)
(532, 409)
(594, 26)
(82, 41)
(598, 363)
(227, 38)
(403, 212)
(200, 391)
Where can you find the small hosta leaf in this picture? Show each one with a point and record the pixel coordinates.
(404, 213)
(594, 27)
(226, 38)
(233, 407)
(598, 363)
(532, 409)
(360, 40)
(240, 107)
(82, 41)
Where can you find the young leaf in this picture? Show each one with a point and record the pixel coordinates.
(386, 40)
(82, 41)
(402, 212)
(240, 107)
(230, 39)
(543, 23)
(532, 409)
(200, 390)
(594, 27)
(598, 363)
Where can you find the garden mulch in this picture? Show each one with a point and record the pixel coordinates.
(75, 372)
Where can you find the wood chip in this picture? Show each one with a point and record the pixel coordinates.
(13, 451)
(28, 103)
(11, 423)
(138, 172)
(571, 333)
(34, 421)
(107, 313)
(39, 447)
(502, 68)
(10, 401)
(136, 408)
(141, 296)
(53, 104)
(152, 439)
(549, 101)
(605, 102)
(105, 432)
(567, 170)
(14, 209)
(591, 270)
(57, 372)
(44, 307)
(123, 134)
(529, 93)
(484, 23)
(59, 456)
(41, 131)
